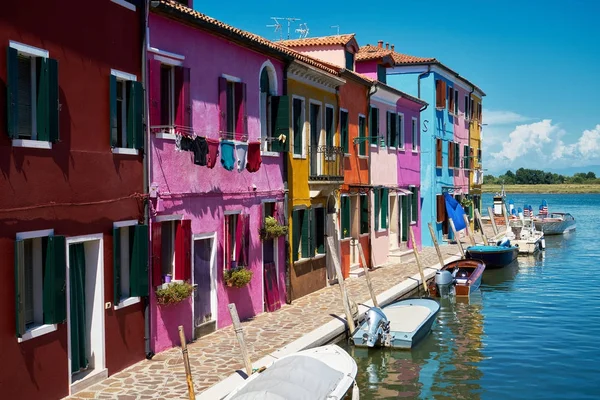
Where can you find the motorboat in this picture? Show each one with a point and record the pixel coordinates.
(459, 278)
(499, 256)
(556, 223)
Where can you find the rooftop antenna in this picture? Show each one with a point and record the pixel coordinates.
(303, 30)
(338, 29)
(278, 27)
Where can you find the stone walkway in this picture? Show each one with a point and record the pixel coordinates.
(216, 356)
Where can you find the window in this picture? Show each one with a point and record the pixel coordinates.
(364, 214)
(32, 91)
(451, 149)
(400, 128)
(440, 94)
(40, 278)
(345, 216)
(374, 125)
(232, 104)
(440, 208)
(439, 156)
(167, 95)
(318, 223)
(274, 117)
(171, 251)
(450, 100)
(344, 131)
(349, 60)
(126, 111)
(415, 134)
(298, 121)
(456, 103)
(237, 240)
(130, 262)
(479, 112)
(381, 73)
(381, 208)
(467, 159)
(168, 249)
(479, 154)
(329, 128)
(266, 123)
(457, 155)
(391, 132)
(467, 112)
(308, 232)
(362, 134)
(414, 205)
(471, 110)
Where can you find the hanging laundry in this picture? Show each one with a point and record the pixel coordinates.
(254, 159)
(177, 143)
(186, 143)
(200, 149)
(227, 156)
(213, 152)
(241, 149)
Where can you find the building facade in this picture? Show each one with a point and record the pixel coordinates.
(72, 209)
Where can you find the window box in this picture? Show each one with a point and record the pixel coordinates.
(237, 277)
(174, 293)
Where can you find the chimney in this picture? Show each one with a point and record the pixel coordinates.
(392, 47)
(387, 46)
(380, 43)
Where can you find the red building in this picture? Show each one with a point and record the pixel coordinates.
(72, 240)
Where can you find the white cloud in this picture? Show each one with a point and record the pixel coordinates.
(499, 117)
(526, 138)
(587, 147)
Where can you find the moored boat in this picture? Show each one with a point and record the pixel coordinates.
(399, 325)
(556, 223)
(326, 372)
(494, 256)
(463, 277)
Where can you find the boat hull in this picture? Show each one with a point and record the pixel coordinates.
(464, 286)
(493, 256)
(550, 227)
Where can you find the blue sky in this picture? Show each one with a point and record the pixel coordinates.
(537, 61)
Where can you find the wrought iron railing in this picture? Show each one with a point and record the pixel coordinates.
(326, 163)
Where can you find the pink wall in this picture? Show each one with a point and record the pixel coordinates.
(367, 68)
(461, 135)
(331, 54)
(203, 194)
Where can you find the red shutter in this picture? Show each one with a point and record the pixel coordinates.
(438, 93)
(438, 153)
(239, 232)
(154, 92)
(182, 95)
(226, 245)
(156, 254)
(240, 106)
(246, 239)
(183, 254)
(223, 104)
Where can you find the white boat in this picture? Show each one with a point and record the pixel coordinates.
(322, 373)
(524, 234)
(556, 223)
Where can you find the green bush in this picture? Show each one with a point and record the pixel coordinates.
(272, 229)
(174, 293)
(237, 277)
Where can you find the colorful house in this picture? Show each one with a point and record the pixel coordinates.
(475, 153)
(217, 169)
(458, 106)
(72, 204)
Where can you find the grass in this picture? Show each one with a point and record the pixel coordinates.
(559, 188)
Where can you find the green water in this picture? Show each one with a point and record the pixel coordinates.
(532, 331)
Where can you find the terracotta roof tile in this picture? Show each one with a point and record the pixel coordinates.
(179, 10)
(370, 52)
(341, 40)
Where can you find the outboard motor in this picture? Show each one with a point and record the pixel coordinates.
(444, 282)
(377, 327)
(504, 242)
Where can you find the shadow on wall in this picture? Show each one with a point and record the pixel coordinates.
(173, 315)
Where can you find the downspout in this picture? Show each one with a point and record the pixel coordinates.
(286, 197)
(370, 93)
(146, 163)
(419, 80)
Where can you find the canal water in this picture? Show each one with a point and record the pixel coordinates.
(532, 331)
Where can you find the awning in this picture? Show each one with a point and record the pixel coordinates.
(403, 191)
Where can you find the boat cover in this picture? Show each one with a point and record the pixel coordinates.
(406, 318)
(296, 377)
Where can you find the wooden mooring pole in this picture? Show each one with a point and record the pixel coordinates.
(468, 230)
(186, 363)
(478, 219)
(494, 227)
(367, 276)
(505, 212)
(239, 333)
(436, 244)
(460, 248)
(340, 279)
(418, 259)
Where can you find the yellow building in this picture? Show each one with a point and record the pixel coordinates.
(315, 173)
(475, 156)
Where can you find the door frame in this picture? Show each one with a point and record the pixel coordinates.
(213, 276)
(100, 371)
(262, 250)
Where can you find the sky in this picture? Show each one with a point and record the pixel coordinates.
(538, 61)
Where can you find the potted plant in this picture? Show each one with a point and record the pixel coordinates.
(174, 293)
(466, 203)
(237, 277)
(272, 229)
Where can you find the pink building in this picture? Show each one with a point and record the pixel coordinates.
(213, 88)
(459, 104)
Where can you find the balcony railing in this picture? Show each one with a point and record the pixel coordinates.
(326, 163)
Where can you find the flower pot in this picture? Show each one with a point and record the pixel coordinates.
(167, 278)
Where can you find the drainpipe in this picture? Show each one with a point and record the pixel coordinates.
(146, 164)
(419, 79)
(370, 93)
(286, 196)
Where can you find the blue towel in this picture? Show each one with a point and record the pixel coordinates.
(455, 211)
(227, 155)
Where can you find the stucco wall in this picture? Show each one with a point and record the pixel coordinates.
(332, 54)
(461, 135)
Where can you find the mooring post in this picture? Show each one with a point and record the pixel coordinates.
(367, 276)
(468, 229)
(436, 244)
(186, 363)
(505, 212)
(494, 227)
(460, 248)
(418, 259)
(340, 279)
(478, 218)
(239, 333)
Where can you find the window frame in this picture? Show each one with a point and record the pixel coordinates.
(414, 205)
(373, 121)
(345, 142)
(456, 101)
(313, 226)
(362, 196)
(415, 134)
(362, 134)
(302, 100)
(349, 216)
(124, 77)
(401, 131)
(333, 124)
(129, 300)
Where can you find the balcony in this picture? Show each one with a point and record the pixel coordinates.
(326, 164)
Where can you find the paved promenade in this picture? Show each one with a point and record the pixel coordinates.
(216, 356)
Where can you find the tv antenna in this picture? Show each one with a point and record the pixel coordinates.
(303, 30)
(278, 27)
(338, 28)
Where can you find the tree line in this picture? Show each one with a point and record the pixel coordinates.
(524, 176)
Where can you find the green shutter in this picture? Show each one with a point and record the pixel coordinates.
(42, 107)
(405, 221)
(388, 129)
(415, 204)
(364, 214)
(345, 209)
(344, 131)
(55, 295)
(296, 232)
(329, 130)
(362, 147)
(457, 155)
(20, 288)
(135, 115)
(117, 265)
(384, 207)
(280, 111)
(376, 217)
(306, 234)
(113, 111)
(138, 273)
(297, 122)
(53, 101)
(12, 92)
(374, 124)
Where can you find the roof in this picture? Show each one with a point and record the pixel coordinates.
(179, 11)
(334, 40)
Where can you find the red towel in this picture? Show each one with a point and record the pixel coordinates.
(254, 159)
(213, 152)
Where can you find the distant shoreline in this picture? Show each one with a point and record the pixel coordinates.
(557, 188)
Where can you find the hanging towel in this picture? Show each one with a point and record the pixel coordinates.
(213, 152)
(227, 157)
(200, 149)
(254, 159)
(187, 143)
(241, 149)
